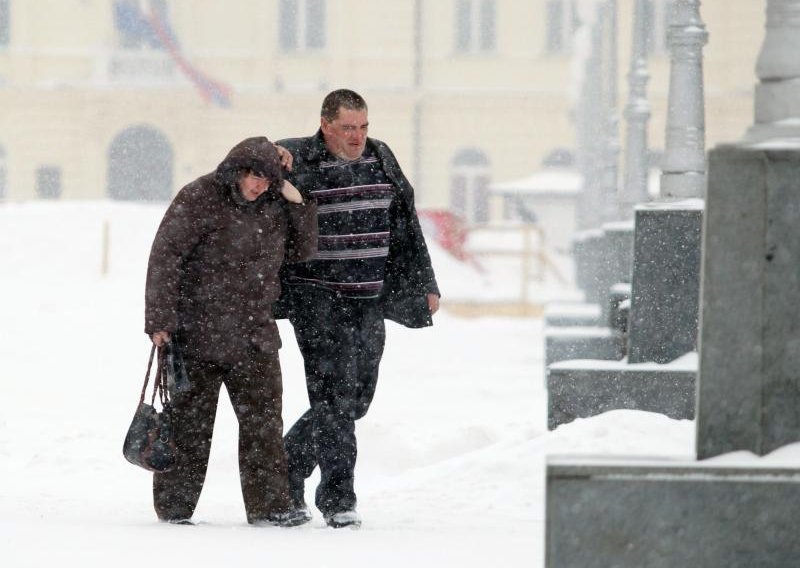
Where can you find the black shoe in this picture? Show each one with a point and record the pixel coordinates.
(343, 519)
(292, 518)
(302, 509)
(177, 521)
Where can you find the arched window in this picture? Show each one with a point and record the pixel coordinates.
(48, 182)
(140, 165)
(469, 185)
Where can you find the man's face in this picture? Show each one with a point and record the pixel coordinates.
(252, 186)
(346, 135)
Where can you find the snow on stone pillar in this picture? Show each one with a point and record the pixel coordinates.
(637, 113)
(683, 171)
(777, 96)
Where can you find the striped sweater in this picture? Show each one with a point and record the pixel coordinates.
(354, 228)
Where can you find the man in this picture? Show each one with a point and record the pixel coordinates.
(372, 264)
(211, 282)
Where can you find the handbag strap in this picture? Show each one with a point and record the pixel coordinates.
(147, 375)
(159, 383)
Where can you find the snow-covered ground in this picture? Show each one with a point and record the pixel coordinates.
(451, 455)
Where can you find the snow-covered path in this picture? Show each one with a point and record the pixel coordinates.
(451, 455)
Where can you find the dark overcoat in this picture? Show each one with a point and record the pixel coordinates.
(409, 273)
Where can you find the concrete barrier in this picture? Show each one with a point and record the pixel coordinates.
(579, 389)
(602, 513)
(563, 343)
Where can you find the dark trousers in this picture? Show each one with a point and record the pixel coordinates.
(342, 343)
(255, 390)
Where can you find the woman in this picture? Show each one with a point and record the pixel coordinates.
(211, 281)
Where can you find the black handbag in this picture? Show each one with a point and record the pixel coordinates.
(150, 441)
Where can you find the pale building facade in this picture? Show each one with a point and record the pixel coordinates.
(134, 98)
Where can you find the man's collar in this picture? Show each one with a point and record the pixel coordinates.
(318, 148)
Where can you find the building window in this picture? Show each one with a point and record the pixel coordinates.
(5, 23)
(302, 25)
(48, 182)
(141, 26)
(561, 22)
(140, 162)
(3, 186)
(657, 18)
(469, 186)
(475, 26)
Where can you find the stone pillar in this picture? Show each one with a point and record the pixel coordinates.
(684, 158)
(666, 268)
(616, 264)
(665, 292)
(587, 250)
(749, 387)
(637, 114)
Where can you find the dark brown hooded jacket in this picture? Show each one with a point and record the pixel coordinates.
(213, 270)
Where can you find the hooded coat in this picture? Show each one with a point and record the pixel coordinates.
(213, 271)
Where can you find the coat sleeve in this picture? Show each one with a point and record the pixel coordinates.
(179, 232)
(301, 240)
(409, 251)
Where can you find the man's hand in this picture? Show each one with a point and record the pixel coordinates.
(433, 303)
(160, 338)
(285, 156)
(290, 192)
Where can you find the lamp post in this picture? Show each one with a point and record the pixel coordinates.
(777, 95)
(637, 114)
(684, 168)
(610, 177)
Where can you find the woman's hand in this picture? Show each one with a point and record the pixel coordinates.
(290, 192)
(160, 338)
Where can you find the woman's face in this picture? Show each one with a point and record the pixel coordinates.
(252, 186)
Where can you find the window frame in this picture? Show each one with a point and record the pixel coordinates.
(5, 24)
(302, 26)
(475, 24)
(561, 22)
(470, 177)
(49, 183)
